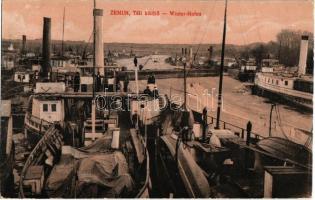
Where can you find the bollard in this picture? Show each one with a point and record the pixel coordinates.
(204, 123)
(248, 130)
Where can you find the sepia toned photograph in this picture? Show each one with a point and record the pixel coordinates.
(156, 99)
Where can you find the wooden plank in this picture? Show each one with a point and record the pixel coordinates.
(282, 170)
(210, 149)
(138, 145)
(268, 183)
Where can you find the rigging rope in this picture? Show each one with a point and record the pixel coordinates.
(207, 27)
(280, 122)
(88, 42)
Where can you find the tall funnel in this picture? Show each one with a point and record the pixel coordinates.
(191, 55)
(23, 50)
(303, 54)
(99, 46)
(210, 52)
(46, 48)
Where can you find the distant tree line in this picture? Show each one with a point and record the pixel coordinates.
(286, 49)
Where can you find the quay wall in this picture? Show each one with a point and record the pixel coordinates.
(174, 73)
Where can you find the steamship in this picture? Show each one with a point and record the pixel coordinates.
(197, 159)
(91, 137)
(87, 138)
(296, 87)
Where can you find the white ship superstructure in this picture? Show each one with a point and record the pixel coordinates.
(296, 87)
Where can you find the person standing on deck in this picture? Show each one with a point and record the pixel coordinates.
(151, 79)
(105, 83)
(147, 91)
(135, 61)
(118, 86)
(76, 81)
(126, 82)
(155, 92)
(98, 82)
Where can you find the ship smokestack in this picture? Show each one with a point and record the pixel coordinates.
(46, 47)
(210, 52)
(303, 54)
(191, 55)
(99, 46)
(24, 44)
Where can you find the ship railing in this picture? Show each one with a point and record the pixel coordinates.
(239, 131)
(37, 154)
(287, 91)
(40, 125)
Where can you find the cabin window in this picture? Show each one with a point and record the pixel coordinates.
(277, 82)
(53, 107)
(45, 107)
(285, 82)
(272, 81)
(268, 80)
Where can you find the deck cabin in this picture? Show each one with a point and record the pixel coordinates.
(269, 62)
(229, 62)
(109, 80)
(59, 61)
(6, 150)
(246, 68)
(7, 62)
(8, 59)
(23, 76)
(44, 110)
(49, 109)
(300, 87)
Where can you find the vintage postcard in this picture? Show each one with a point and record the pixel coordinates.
(156, 98)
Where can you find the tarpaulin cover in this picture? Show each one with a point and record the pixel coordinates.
(286, 149)
(60, 182)
(86, 173)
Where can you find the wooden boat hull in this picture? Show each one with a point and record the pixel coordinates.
(190, 174)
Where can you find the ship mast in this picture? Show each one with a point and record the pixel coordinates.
(94, 63)
(63, 32)
(185, 86)
(94, 60)
(221, 70)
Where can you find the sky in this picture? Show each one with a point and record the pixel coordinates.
(247, 20)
